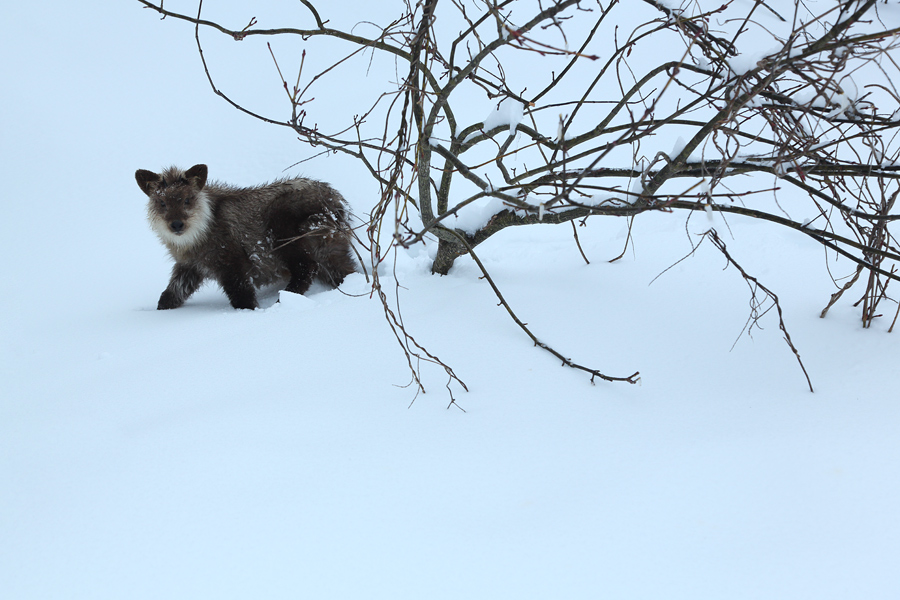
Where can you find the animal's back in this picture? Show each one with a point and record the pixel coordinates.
(296, 211)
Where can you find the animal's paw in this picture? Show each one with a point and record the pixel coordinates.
(168, 300)
(244, 301)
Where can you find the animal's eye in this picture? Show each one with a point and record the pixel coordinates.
(162, 204)
(187, 202)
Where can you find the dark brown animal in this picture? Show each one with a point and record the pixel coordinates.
(244, 238)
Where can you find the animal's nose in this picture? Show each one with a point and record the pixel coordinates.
(177, 226)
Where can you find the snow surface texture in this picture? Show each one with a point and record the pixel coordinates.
(211, 453)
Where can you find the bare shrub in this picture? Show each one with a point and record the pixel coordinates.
(768, 102)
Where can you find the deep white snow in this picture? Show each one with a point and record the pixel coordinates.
(211, 453)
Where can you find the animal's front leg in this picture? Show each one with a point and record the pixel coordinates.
(233, 276)
(240, 292)
(184, 282)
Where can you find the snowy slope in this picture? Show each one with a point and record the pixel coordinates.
(211, 453)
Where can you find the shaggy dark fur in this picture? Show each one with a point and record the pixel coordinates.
(244, 238)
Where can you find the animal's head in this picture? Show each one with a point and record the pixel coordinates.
(178, 208)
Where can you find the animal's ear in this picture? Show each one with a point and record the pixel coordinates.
(197, 176)
(148, 181)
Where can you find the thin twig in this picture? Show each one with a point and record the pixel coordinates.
(754, 283)
(633, 378)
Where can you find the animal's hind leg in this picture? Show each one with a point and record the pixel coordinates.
(336, 262)
(290, 245)
(302, 269)
(291, 250)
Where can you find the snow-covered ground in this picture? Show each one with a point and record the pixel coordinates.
(211, 453)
